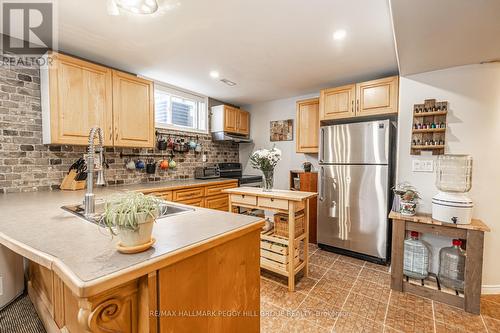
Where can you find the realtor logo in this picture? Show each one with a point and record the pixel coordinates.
(28, 27)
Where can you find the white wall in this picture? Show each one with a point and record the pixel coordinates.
(260, 116)
(473, 93)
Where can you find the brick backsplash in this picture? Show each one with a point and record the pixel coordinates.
(28, 165)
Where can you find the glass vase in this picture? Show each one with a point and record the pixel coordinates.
(268, 180)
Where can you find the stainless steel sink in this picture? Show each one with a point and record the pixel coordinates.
(166, 209)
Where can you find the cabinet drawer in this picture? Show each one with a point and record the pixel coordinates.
(216, 189)
(273, 203)
(244, 199)
(198, 202)
(165, 195)
(187, 194)
(220, 202)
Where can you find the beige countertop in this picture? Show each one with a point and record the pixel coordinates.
(84, 254)
(275, 194)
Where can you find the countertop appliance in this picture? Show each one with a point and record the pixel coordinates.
(207, 172)
(235, 171)
(11, 276)
(454, 180)
(355, 177)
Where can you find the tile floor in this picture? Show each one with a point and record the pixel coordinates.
(343, 294)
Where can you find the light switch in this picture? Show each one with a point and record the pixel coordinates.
(419, 165)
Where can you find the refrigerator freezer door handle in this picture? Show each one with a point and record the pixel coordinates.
(333, 209)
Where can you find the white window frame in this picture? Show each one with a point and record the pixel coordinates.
(182, 93)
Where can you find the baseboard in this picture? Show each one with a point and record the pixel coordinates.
(490, 289)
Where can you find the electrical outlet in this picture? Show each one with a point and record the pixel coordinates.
(419, 165)
(204, 158)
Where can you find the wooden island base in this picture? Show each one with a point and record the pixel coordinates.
(211, 287)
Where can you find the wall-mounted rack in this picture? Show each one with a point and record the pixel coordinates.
(167, 154)
(429, 127)
(178, 135)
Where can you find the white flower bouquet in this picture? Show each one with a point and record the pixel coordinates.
(266, 160)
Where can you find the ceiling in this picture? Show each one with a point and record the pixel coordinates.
(271, 49)
(436, 34)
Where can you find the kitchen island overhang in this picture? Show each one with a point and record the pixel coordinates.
(214, 268)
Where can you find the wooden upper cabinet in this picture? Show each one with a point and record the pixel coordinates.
(76, 96)
(225, 118)
(369, 98)
(230, 119)
(307, 126)
(133, 111)
(243, 122)
(377, 97)
(337, 103)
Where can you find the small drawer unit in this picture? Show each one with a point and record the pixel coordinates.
(244, 199)
(273, 203)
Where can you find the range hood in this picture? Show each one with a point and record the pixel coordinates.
(223, 136)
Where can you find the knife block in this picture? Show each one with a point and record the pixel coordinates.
(69, 183)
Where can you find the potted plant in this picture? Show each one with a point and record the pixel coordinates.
(408, 198)
(266, 160)
(131, 215)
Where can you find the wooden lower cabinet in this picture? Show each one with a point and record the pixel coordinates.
(223, 283)
(219, 202)
(198, 202)
(211, 288)
(207, 196)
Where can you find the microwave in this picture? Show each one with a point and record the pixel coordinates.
(207, 172)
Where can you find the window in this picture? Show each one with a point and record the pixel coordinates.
(180, 110)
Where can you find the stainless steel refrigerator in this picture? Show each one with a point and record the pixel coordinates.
(354, 192)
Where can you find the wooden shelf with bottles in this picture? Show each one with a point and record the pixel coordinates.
(429, 127)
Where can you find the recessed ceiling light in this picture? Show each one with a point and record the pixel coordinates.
(339, 34)
(138, 6)
(214, 74)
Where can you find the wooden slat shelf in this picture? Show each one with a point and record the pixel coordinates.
(429, 130)
(279, 254)
(429, 114)
(432, 282)
(429, 147)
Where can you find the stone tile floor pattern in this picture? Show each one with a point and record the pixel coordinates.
(344, 294)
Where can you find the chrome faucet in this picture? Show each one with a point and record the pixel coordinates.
(89, 201)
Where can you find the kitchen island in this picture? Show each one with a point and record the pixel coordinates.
(203, 266)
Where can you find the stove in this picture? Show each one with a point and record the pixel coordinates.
(235, 171)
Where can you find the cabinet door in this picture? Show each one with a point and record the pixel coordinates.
(231, 119)
(377, 97)
(337, 103)
(133, 111)
(307, 126)
(220, 202)
(80, 95)
(243, 122)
